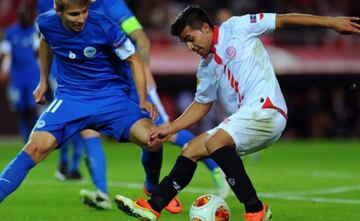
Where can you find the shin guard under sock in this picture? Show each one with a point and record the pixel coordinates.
(179, 177)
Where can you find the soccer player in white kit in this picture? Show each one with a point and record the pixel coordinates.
(235, 68)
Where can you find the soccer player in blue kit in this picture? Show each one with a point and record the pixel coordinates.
(21, 69)
(118, 11)
(92, 91)
(68, 169)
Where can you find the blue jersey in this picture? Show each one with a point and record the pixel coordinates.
(44, 5)
(85, 59)
(24, 67)
(117, 10)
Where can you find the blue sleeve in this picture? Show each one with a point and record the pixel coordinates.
(44, 5)
(115, 37)
(7, 34)
(118, 11)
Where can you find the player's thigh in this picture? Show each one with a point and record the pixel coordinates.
(89, 133)
(40, 144)
(219, 139)
(253, 130)
(196, 148)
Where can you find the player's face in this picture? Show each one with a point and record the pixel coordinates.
(74, 18)
(198, 40)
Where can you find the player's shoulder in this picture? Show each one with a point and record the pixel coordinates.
(236, 22)
(47, 17)
(99, 19)
(12, 29)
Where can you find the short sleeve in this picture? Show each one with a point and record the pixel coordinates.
(120, 43)
(253, 25)
(206, 89)
(118, 11)
(5, 47)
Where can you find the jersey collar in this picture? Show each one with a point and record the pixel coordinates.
(217, 58)
(215, 38)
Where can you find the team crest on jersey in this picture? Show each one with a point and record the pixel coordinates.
(253, 18)
(89, 52)
(40, 124)
(230, 52)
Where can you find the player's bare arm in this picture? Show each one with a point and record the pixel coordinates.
(5, 67)
(343, 25)
(191, 115)
(143, 47)
(45, 55)
(137, 67)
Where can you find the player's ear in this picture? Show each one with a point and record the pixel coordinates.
(205, 28)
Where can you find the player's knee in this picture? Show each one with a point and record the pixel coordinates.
(213, 144)
(192, 153)
(37, 151)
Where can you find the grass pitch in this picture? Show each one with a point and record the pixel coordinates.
(300, 180)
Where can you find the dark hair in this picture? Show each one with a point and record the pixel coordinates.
(193, 16)
(61, 5)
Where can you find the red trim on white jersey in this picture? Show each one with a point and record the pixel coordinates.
(217, 58)
(269, 104)
(233, 83)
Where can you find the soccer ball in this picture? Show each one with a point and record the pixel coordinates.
(209, 207)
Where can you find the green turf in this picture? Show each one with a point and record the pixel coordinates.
(300, 180)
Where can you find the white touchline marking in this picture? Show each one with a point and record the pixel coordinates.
(310, 199)
(292, 196)
(340, 189)
(329, 174)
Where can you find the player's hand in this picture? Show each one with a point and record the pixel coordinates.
(346, 25)
(40, 93)
(159, 134)
(149, 107)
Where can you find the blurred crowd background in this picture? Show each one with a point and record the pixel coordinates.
(318, 69)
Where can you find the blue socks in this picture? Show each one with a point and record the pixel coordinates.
(152, 162)
(77, 152)
(96, 162)
(63, 154)
(14, 173)
(184, 137)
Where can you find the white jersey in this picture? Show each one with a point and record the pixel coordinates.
(238, 72)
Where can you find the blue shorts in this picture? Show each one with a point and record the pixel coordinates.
(20, 96)
(113, 116)
(154, 99)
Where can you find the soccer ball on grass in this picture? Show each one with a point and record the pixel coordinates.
(209, 207)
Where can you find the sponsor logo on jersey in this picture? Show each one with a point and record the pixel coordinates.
(230, 52)
(253, 18)
(40, 124)
(261, 16)
(89, 52)
(72, 55)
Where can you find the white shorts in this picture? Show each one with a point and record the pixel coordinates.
(253, 129)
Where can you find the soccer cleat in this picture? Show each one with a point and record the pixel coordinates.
(264, 215)
(96, 199)
(219, 180)
(174, 207)
(61, 172)
(140, 209)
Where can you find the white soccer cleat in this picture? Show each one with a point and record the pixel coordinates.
(139, 209)
(96, 199)
(219, 180)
